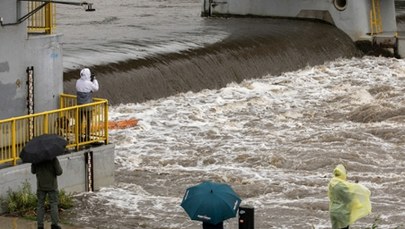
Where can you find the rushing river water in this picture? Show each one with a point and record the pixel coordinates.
(294, 111)
(275, 140)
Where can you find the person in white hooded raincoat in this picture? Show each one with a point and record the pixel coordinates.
(348, 201)
(85, 86)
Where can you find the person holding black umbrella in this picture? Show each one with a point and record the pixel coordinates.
(47, 185)
(42, 152)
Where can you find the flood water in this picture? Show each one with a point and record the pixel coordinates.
(275, 140)
(268, 106)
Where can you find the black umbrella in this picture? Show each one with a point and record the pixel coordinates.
(43, 148)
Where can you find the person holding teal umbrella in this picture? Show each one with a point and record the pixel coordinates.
(211, 203)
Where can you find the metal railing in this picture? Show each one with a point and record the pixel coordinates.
(79, 125)
(44, 20)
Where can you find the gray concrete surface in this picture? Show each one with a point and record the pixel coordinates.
(19, 223)
(73, 179)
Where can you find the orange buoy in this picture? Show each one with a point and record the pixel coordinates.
(122, 124)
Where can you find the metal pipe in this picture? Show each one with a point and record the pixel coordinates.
(46, 2)
(58, 2)
(30, 100)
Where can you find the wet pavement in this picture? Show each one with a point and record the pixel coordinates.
(20, 223)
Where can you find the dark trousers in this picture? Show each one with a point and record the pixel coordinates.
(53, 201)
(85, 116)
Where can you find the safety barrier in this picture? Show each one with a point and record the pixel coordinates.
(79, 125)
(44, 20)
(375, 17)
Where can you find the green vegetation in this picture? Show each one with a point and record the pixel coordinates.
(23, 203)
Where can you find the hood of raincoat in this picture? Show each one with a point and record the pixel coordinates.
(85, 74)
(340, 172)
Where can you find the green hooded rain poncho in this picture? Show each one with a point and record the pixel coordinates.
(348, 201)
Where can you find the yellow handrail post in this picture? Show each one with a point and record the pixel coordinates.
(13, 142)
(77, 128)
(46, 123)
(106, 121)
(48, 19)
(375, 17)
(371, 22)
(372, 17)
(61, 102)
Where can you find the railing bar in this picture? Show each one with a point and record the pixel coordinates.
(45, 122)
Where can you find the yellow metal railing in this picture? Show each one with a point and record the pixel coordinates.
(70, 122)
(44, 20)
(375, 17)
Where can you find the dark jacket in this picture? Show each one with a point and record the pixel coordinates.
(46, 173)
(213, 226)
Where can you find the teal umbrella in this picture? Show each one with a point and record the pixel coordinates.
(211, 202)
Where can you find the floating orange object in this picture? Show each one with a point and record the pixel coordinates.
(122, 124)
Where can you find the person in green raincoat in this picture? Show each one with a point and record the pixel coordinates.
(348, 201)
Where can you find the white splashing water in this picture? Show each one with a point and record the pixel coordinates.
(275, 140)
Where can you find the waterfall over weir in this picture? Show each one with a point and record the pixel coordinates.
(254, 48)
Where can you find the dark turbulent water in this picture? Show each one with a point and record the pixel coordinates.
(274, 138)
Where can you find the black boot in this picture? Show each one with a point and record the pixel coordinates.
(55, 227)
(40, 227)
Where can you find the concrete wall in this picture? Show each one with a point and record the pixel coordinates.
(10, 10)
(12, 70)
(389, 23)
(401, 46)
(354, 18)
(73, 179)
(18, 50)
(44, 53)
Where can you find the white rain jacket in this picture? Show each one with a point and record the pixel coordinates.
(85, 87)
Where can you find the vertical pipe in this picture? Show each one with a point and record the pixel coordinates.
(30, 100)
(89, 171)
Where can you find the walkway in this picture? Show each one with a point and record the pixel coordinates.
(19, 223)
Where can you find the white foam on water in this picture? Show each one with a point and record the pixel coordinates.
(275, 140)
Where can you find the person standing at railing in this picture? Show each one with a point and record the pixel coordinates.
(85, 86)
